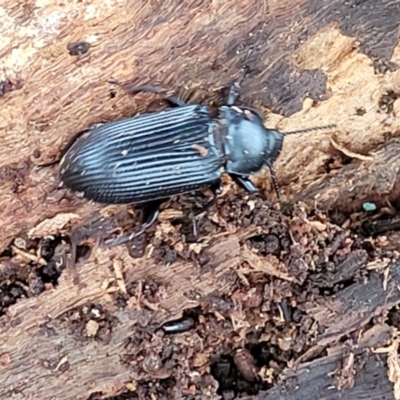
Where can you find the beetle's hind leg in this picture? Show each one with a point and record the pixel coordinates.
(194, 214)
(150, 214)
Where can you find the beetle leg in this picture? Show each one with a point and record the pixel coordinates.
(174, 100)
(245, 183)
(274, 181)
(153, 213)
(216, 189)
(235, 87)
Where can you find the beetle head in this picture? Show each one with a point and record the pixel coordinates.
(249, 146)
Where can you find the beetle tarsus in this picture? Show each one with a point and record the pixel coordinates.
(274, 181)
(174, 100)
(154, 212)
(246, 184)
(235, 87)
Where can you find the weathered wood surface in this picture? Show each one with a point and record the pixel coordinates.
(321, 378)
(374, 179)
(43, 353)
(315, 63)
(306, 51)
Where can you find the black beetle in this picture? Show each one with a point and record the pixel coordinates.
(151, 157)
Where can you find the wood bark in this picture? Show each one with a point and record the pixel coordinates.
(322, 378)
(314, 63)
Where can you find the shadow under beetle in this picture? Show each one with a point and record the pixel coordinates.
(151, 157)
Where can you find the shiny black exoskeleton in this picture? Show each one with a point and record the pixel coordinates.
(151, 157)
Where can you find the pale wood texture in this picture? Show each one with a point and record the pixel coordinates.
(315, 63)
(303, 55)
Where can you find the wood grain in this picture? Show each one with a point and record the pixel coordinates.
(316, 62)
(305, 51)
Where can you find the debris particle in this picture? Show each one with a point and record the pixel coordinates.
(92, 328)
(201, 149)
(78, 48)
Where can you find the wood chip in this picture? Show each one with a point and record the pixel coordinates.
(52, 226)
(117, 264)
(350, 153)
(268, 264)
(29, 256)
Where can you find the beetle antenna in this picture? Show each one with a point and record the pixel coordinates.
(317, 128)
(274, 181)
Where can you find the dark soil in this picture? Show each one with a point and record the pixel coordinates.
(321, 260)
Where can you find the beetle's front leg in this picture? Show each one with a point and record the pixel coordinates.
(248, 185)
(245, 183)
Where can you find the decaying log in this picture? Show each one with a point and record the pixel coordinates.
(41, 342)
(353, 307)
(37, 333)
(316, 64)
(313, 63)
(375, 179)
